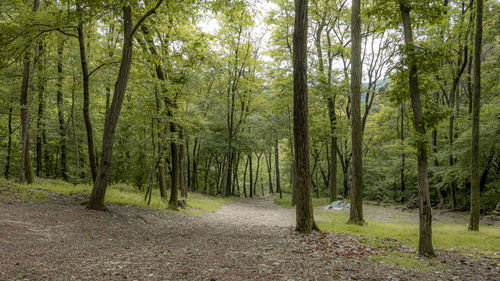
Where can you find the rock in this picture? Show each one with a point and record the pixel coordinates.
(413, 202)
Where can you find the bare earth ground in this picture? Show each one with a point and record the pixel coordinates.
(248, 240)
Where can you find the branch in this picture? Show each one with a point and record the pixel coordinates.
(97, 68)
(143, 18)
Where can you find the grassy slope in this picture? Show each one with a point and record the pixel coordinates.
(197, 203)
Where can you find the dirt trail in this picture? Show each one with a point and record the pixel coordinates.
(249, 240)
(260, 211)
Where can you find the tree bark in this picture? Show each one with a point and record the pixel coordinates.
(103, 174)
(356, 211)
(182, 164)
(86, 102)
(403, 156)
(60, 111)
(9, 144)
(277, 169)
(40, 126)
(25, 168)
(251, 175)
(476, 106)
(425, 247)
(269, 171)
(302, 177)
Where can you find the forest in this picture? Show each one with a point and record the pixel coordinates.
(393, 103)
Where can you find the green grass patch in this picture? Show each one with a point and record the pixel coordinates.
(445, 236)
(123, 194)
(408, 261)
(18, 192)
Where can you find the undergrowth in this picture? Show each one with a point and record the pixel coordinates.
(197, 203)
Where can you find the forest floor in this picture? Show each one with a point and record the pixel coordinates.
(254, 239)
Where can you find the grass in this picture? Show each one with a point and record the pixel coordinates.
(408, 261)
(445, 235)
(20, 192)
(121, 194)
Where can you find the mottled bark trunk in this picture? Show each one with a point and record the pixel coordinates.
(60, 111)
(277, 169)
(182, 164)
(9, 144)
(86, 102)
(251, 175)
(425, 247)
(96, 201)
(356, 211)
(302, 176)
(269, 171)
(40, 126)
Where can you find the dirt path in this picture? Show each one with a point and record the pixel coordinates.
(250, 240)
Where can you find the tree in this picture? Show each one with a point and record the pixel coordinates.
(356, 212)
(96, 201)
(425, 217)
(476, 105)
(302, 182)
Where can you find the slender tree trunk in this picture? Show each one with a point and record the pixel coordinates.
(60, 111)
(302, 180)
(436, 164)
(182, 164)
(277, 168)
(245, 179)
(75, 136)
(476, 106)
(251, 174)
(86, 102)
(9, 144)
(257, 173)
(40, 126)
(269, 171)
(332, 181)
(403, 156)
(194, 174)
(425, 247)
(25, 168)
(103, 174)
(174, 150)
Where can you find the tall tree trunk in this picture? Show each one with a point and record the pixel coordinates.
(60, 111)
(25, 168)
(277, 169)
(332, 181)
(174, 150)
(302, 180)
(9, 144)
(436, 164)
(245, 178)
(75, 136)
(403, 156)
(40, 126)
(182, 164)
(86, 102)
(257, 173)
(103, 174)
(425, 217)
(269, 171)
(356, 211)
(194, 173)
(476, 106)
(251, 174)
